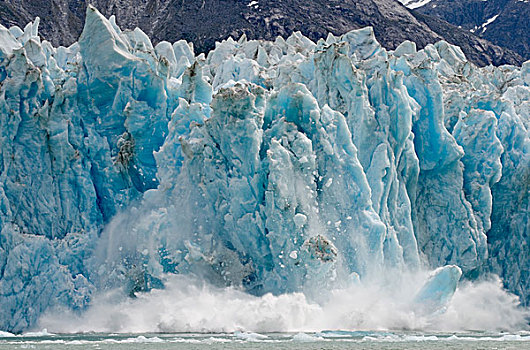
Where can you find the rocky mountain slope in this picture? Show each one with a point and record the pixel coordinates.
(503, 22)
(207, 21)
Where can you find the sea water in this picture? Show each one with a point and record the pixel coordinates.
(247, 340)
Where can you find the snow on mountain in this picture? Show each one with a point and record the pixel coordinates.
(503, 22)
(414, 4)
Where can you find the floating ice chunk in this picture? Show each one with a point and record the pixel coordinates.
(306, 338)
(250, 336)
(438, 290)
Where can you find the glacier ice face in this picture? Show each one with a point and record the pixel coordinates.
(285, 166)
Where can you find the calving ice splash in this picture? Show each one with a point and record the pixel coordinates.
(265, 186)
(188, 305)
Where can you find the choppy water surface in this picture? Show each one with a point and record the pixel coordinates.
(244, 340)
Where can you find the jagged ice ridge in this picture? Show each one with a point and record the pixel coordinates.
(278, 167)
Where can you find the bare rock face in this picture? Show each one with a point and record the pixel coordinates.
(207, 21)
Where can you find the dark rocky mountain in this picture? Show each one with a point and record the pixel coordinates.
(503, 22)
(206, 21)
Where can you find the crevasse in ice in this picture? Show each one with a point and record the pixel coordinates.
(277, 167)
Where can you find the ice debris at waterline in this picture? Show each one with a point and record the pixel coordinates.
(272, 167)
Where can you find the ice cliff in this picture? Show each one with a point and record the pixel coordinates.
(285, 166)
